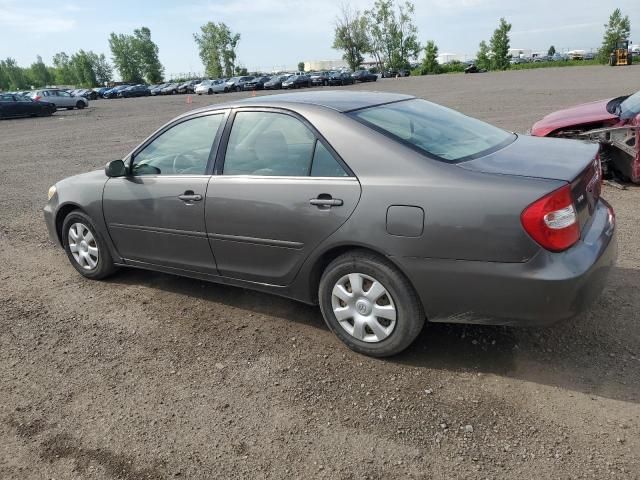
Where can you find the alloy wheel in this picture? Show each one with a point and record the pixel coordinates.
(83, 246)
(363, 307)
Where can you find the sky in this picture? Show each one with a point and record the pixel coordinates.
(277, 34)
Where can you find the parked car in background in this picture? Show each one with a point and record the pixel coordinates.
(297, 81)
(60, 98)
(100, 91)
(90, 94)
(275, 82)
(210, 87)
(519, 236)
(237, 83)
(188, 86)
(396, 73)
(115, 91)
(341, 78)
(170, 89)
(256, 84)
(157, 89)
(14, 105)
(364, 76)
(136, 91)
(613, 123)
(320, 78)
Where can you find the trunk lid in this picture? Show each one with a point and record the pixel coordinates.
(570, 161)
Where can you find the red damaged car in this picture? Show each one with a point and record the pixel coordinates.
(615, 124)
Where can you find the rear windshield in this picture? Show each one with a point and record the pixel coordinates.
(434, 130)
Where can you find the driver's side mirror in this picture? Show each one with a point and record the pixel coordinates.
(115, 168)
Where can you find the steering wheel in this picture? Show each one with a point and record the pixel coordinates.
(186, 158)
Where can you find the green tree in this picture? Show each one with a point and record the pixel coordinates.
(301, 66)
(64, 73)
(430, 62)
(483, 60)
(82, 68)
(12, 76)
(616, 29)
(552, 51)
(499, 45)
(217, 48)
(126, 58)
(147, 51)
(393, 37)
(406, 44)
(101, 68)
(40, 74)
(240, 71)
(350, 36)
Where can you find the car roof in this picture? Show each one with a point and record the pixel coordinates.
(335, 100)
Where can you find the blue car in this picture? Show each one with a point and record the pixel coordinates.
(113, 93)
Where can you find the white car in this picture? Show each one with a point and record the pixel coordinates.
(211, 86)
(60, 98)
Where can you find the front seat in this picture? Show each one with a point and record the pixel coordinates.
(273, 154)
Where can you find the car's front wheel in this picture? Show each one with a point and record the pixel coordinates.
(80, 105)
(85, 247)
(369, 304)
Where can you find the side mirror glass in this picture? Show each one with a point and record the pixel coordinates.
(115, 168)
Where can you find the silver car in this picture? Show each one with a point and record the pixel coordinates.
(382, 208)
(60, 98)
(212, 86)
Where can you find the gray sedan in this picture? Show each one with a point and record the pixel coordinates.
(384, 209)
(60, 98)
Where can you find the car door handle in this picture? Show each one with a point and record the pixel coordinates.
(190, 197)
(326, 202)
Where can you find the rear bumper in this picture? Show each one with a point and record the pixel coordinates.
(548, 288)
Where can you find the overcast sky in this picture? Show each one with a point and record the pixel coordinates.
(280, 33)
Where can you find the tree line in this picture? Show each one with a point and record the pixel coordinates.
(386, 32)
(135, 57)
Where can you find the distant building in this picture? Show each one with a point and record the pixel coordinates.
(520, 53)
(445, 58)
(320, 65)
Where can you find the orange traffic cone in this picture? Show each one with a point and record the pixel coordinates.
(253, 93)
(189, 100)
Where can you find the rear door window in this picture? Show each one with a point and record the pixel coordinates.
(269, 144)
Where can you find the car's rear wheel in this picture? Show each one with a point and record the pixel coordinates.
(369, 304)
(80, 105)
(209, 92)
(85, 247)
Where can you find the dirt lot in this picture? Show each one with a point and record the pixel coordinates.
(152, 376)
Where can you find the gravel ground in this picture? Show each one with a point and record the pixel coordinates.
(150, 376)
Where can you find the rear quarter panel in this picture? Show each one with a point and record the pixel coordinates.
(468, 215)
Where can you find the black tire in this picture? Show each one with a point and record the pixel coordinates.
(238, 89)
(80, 105)
(105, 266)
(410, 316)
(209, 92)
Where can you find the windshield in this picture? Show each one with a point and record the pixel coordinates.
(435, 130)
(631, 106)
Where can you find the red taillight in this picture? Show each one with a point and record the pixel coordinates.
(552, 221)
(37, 98)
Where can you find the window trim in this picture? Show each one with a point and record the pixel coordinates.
(129, 159)
(218, 168)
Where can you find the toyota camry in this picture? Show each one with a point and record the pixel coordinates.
(384, 209)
